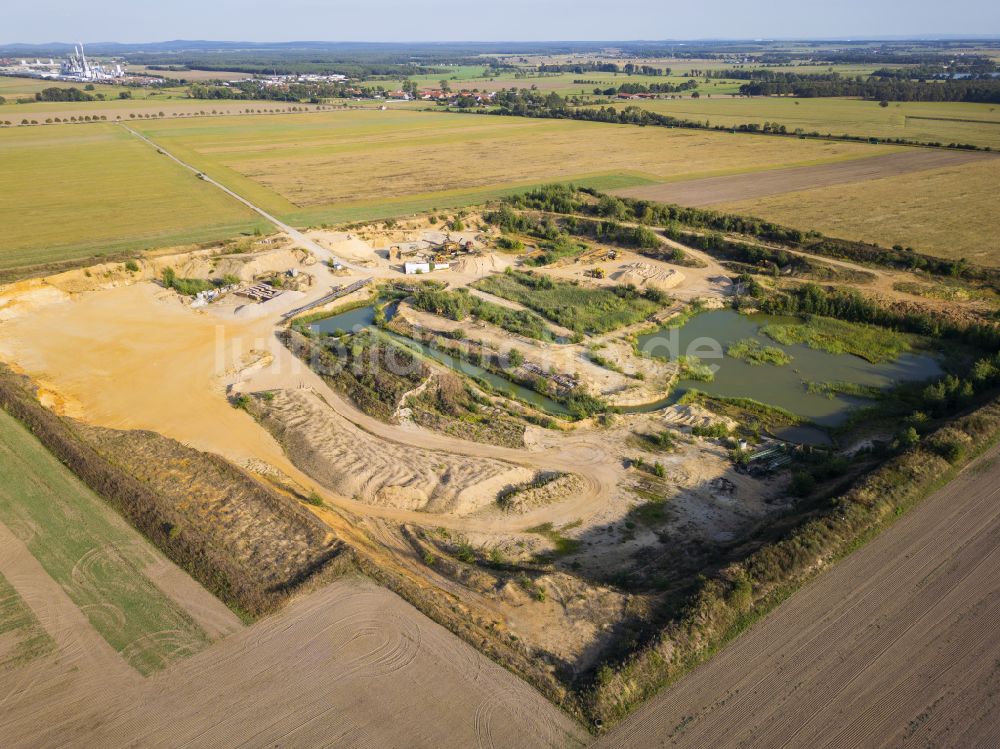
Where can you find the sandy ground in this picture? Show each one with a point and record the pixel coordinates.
(136, 358)
(895, 645)
(713, 190)
(351, 665)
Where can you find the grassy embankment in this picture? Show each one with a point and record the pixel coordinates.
(205, 514)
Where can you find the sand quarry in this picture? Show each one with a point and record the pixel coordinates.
(351, 664)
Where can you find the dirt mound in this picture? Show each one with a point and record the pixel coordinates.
(644, 275)
(353, 463)
(691, 415)
(542, 491)
(482, 264)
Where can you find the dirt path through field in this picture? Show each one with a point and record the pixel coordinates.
(728, 189)
(351, 665)
(82, 654)
(896, 644)
(301, 239)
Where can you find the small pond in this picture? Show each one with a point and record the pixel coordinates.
(364, 317)
(707, 335)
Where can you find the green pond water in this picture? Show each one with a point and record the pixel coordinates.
(708, 334)
(364, 317)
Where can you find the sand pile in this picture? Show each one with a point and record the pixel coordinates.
(356, 464)
(693, 415)
(644, 275)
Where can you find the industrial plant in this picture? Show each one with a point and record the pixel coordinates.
(75, 67)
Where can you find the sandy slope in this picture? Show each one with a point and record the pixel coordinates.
(895, 645)
(355, 464)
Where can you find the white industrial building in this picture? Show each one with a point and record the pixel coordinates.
(76, 67)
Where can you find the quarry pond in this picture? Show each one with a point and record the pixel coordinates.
(364, 317)
(814, 384)
(798, 386)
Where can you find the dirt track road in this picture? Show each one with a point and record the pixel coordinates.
(318, 250)
(895, 645)
(728, 189)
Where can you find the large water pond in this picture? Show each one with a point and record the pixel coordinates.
(364, 317)
(708, 334)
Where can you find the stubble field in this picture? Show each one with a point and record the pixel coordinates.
(945, 211)
(356, 165)
(944, 122)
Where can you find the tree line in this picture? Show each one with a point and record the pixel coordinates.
(603, 67)
(642, 88)
(569, 200)
(986, 90)
(525, 103)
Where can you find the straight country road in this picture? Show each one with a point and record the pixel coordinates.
(319, 251)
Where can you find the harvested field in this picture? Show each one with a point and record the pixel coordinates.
(949, 211)
(355, 464)
(350, 665)
(95, 557)
(335, 166)
(737, 187)
(928, 122)
(894, 645)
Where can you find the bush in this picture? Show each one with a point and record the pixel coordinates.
(803, 484)
(948, 446)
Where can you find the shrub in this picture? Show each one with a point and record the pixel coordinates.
(803, 484)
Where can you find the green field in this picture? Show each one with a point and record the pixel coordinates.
(364, 164)
(12, 88)
(91, 553)
(72, 191)
(564, 84)
(944, 122)
(586, 309)
(22, 637)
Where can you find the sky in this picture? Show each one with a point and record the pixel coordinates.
(507, 20)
